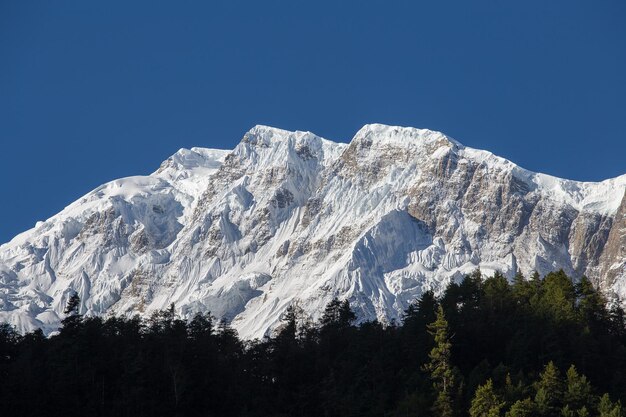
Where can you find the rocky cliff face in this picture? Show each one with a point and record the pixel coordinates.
(290, 217)
(611, 265)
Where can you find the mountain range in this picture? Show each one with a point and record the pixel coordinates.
(291, 218)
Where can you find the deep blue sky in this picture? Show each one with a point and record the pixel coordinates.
(93, 91)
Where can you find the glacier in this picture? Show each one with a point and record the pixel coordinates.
(290, 217)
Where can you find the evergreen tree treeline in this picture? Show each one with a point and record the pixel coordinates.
(486, 347)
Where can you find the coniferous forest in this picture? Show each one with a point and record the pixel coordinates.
(486, 347)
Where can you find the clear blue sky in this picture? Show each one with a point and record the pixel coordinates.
(95, 90)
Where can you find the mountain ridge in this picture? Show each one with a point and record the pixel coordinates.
(291, 217)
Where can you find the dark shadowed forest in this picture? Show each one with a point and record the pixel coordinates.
(486, 347)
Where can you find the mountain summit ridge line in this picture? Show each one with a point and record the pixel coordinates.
(290, 217)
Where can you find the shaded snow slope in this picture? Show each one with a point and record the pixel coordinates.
(290, 217)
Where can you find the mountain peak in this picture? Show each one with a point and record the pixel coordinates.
(268, 136)
(262, 130)
(403, 136)
(289, 217)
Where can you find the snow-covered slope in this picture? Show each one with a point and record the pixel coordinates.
(290, 217)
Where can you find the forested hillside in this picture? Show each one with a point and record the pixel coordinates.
(487, 347)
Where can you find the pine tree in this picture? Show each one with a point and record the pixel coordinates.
(558, 297)
(497, 292)
(568, 412)
(476, 276)
(421, 313)
(577, 391)
(486, 403)
(337, 314)
(72, 317)
(582, 412)
(73, 304)
(591, 303)
(522, 408)
(9, 338)
(617, 319)
(607, 408)
(289, 328)
(440, 369)
(513, 392)
(535, 280)
(549, 391)
(201, 326)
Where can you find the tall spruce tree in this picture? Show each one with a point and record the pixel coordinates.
(73, 304)
(607, 408)
(440, 369)
(72, 317)
(577, 391)
(486, 403)
(549, 392)
(337, 314)
(522, 408)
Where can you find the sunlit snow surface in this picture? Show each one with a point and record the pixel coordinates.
(288, 217)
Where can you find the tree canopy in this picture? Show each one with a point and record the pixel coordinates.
(484, 347)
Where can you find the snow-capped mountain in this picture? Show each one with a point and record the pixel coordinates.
(289, 217)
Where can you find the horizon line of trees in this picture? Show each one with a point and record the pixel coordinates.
(487, 347)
